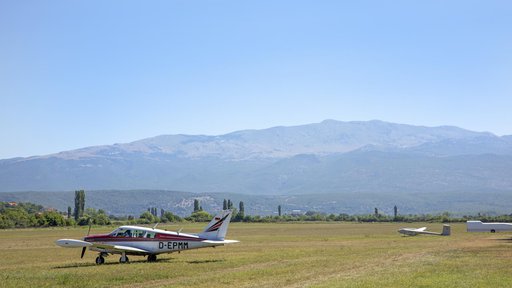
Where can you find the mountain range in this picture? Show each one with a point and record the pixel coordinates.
(327, 158)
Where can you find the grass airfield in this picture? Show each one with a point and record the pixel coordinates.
(271, 255)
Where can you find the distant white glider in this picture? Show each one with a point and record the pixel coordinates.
(423, 230)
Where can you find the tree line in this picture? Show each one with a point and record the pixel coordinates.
(21, 215)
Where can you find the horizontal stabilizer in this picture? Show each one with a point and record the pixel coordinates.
(72, 243)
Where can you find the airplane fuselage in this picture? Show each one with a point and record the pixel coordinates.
(410, 232)
(151, 241)
(144, 241)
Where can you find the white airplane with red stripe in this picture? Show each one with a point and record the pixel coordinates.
(144, 241)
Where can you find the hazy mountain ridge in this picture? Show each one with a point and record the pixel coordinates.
(327, 157)
(323, 138)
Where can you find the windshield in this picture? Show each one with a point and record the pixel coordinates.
(124, 232)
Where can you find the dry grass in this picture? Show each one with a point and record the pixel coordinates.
(272, 255)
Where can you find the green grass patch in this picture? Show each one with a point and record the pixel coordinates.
(271, 255)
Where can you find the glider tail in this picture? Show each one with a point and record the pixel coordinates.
(446, 230)
(218, 227)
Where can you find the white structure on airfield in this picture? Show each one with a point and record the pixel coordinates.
(478, 226)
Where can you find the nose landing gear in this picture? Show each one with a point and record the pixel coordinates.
(100, 259)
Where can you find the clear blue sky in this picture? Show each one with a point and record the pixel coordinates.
(82, 73)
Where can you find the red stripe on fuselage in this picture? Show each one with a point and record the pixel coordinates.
(158, 237)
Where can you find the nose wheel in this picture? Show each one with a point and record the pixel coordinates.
(100, 260)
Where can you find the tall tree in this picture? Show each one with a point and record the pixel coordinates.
(196, 205)
(376, 212)
(241, 213)
(225, 204)
(82, 203)
(395, 211)
(79, 204)
(230, 204)
(279, 210)
(69, 212)
(76, 212)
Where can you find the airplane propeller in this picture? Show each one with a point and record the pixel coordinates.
(88, 231)
(83, 252)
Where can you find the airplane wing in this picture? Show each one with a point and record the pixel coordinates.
(73, 243)
(220, 241)
(120, 249)
(421, 229)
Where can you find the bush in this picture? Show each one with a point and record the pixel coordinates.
(83, 221)
(170, 217)
(199, 216)
(70, 222)
(20, 217)
(101, 219)
(146, 218)
(52, 218)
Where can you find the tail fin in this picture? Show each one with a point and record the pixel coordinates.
(218, 227)
(446, 230)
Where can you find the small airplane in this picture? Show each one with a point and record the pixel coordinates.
(423, 230)
(144, 241)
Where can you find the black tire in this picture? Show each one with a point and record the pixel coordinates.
(151, 258)
(126, 260)
(100, 260)
(493, 231)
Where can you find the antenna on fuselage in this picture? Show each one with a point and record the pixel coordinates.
(155, 225)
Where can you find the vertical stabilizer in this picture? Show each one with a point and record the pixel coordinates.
(446, 230)
(218, 227)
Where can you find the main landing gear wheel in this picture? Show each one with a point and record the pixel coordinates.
(124, 259)
(493, 231)
(151, 258)
(100, 260)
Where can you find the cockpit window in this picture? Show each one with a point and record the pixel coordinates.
(123, 232)
(120, 232)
